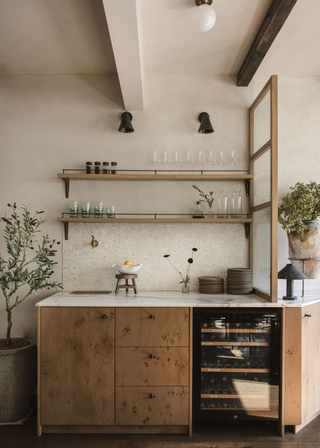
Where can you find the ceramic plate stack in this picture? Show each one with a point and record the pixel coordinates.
(239, 281)
(211, 285)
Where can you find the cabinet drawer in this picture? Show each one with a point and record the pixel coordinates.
(168, 407)
(157, 366)
(152, 327)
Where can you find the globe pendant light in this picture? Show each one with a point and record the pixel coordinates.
(204, 17)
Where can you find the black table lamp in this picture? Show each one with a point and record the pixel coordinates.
(291, 273)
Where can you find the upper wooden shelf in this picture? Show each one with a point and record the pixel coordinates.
(67, 177)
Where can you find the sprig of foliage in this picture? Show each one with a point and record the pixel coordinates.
(208, 197)
(303, 204)
(20, 269)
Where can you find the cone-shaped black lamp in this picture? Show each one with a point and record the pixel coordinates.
(291, 273)
(205, 126)
(126, 125)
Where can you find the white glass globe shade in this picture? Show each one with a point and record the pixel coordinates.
(204, 17)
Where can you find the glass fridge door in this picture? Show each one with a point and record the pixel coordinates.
(237, 366)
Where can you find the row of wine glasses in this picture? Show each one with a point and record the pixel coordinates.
(195, 159)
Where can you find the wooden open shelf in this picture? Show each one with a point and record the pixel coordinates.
(67, 177)
(67, 220)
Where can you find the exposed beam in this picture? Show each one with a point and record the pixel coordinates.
(123, 18)
(272, 24)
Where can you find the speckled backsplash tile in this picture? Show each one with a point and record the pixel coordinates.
(220, 246)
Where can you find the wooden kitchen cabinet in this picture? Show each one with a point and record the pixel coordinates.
(302, 365)
(76, 366)
(122, 370)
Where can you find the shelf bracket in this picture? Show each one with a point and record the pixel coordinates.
(247, 187)
(66, 230)
(247, 230)
(67, 186)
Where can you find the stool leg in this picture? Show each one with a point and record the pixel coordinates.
(135, 286)
(117, 286)
(127, 283)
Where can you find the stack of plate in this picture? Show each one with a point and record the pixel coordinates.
(211, 285)
(239, 281)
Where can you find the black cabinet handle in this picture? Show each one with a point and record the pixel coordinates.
(152, 396)
(104, 316)
(152, 316)
(308, 315)
(152, 356)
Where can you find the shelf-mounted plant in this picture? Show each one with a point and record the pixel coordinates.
(207, 197)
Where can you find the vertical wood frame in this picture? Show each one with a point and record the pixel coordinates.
(272, 146)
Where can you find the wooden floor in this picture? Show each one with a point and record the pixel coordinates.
(220, 437)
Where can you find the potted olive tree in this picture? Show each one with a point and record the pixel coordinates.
(27, 269)
(298, 214)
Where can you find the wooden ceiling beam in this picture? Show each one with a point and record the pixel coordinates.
(272, 24)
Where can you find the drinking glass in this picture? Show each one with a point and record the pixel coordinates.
(177, 158)
(222, 157)
(166, 158)
(234, 158)
(222, 203)
(155, 159)
(73, 209)
(85, 209)
(111, 211)
(212, 159)
(189, 158)
(98, 209)
(201, 158)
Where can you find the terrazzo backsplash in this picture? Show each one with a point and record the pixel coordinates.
(220, 246)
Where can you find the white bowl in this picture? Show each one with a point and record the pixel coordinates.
(127, 269)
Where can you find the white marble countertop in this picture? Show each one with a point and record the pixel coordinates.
(170, 299)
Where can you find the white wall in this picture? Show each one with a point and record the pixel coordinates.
(48, 123)
(52, 122)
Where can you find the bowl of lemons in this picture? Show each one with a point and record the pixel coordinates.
(127, 268)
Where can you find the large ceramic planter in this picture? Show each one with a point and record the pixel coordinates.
(18, 369)
(304, 250)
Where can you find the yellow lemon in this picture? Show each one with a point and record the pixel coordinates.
(128, 262)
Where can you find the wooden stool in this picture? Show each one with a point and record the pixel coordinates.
(126, 277)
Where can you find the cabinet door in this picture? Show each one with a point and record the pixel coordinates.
(76, 366)
(152, 327)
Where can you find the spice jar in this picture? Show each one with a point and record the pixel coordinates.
(113, 169)
(96, 167)
(88, 167)
(105, 167)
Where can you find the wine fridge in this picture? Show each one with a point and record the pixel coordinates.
(236, 365)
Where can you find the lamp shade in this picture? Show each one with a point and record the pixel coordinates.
(204, 17)
(290, 272)
(205, 126)
(126, 125)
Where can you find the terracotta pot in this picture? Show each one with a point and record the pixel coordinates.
(304, 249)
(18, 369)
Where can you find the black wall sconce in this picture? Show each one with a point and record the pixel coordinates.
(126, 125)
(205, 126)
(291, 273)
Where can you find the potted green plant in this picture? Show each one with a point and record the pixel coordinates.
(27, 269)
(298, 214)
(208, 198)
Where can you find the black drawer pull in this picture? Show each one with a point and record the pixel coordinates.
(308, 315)
(104, 316)
(152, 316)
(152, 396)
(152, 356)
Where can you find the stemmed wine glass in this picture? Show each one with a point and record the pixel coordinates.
(189, 159)
(234, 158)
(177, 158)
(222, 157)
(201, 158)
(212, 159)
(155, 159)
(166, 158)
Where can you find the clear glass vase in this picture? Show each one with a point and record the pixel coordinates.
(185, 287)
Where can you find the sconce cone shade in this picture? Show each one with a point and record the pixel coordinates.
(291, 273)
(205, 126)
(204, 16)
(126, 125)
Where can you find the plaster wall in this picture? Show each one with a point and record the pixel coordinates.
(48, 123)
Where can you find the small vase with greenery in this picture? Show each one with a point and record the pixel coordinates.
(184, 280)
(208, 198)
(29, 265)
(299, 207)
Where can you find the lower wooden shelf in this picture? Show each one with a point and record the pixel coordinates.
(67, 220)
